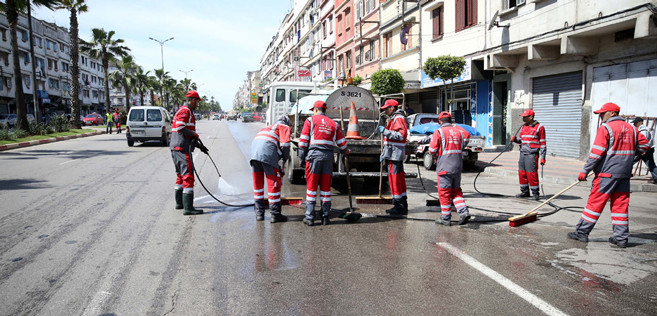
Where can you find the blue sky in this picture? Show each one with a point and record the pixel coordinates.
(220, 40)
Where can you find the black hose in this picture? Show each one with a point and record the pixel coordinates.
(203, 185)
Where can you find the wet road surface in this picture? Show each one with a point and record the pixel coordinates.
(88, 227)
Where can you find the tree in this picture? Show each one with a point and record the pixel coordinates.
(161, 76)
(153, 85)
(141, 83)
(11, 8)
(74, 7)
(102, 46)
(387, 81)
(124, 77)
(444, 67)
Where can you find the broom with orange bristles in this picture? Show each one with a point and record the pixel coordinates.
(532, 215)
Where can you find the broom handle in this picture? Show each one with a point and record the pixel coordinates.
(381, 169)
(346, 163)
(554, 196)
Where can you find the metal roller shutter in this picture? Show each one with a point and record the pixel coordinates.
(557, 101)
(429, 100)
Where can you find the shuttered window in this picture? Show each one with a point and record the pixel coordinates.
(437, 21)
(466, 14)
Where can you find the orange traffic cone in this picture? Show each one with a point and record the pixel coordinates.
(353, 131)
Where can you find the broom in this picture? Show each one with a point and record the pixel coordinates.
(352, 215)
(376, 199)
(532, 215)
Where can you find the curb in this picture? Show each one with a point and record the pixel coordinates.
(635, 185)
(46, 141)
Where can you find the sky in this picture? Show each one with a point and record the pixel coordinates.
(219, 40)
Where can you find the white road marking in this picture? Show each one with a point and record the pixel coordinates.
(69, 161)
(544, 306)
(96, 303)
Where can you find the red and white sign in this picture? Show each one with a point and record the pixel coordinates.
(304, 73)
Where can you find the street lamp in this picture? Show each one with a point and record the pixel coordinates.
(162, 55)
(186, 72)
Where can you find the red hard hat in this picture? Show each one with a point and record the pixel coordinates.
(319, 104)
(192, 94)
(608, 107)
(389, 103)
(528, 112)
(444, 114)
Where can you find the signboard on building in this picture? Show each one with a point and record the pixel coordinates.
(328, 75)
(465, 76)
(254, 98)
(304, 73)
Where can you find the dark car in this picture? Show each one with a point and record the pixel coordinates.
(247, 117)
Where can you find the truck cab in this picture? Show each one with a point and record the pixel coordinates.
(281, 96)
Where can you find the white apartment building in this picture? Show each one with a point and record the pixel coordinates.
(51, 49)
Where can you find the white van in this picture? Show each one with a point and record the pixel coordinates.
(281, 96)
(146, 123)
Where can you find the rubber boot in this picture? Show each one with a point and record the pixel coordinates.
(536, 195)
(188, 205)
(179, 199)
(325, 220)
(259, 208)
(275, 212)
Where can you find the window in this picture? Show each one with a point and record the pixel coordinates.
(360, 56)
(61, 47)
(4, 33)
(53, 83)
(437, 21)
(136, 115)
(359, 10)
(94, 93)
(466, 14)
(280, 95)
(5, 56)
(26, 81)
(369, 6)
(330, 24)
(387, 48)
(324, 29)
(508, 4)
(64, 67)
(338, 24)
(26, 57)
(50, 64)
(153, 115)
(66, 86)
(23, 35)
(7, 82)
(348, 60)
(347, 19)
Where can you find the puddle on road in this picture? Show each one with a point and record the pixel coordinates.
(615, 265)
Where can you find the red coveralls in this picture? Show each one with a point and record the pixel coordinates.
(611, 159)
(447, 143)
(532, 140)
(270, 145)
(318, 138)
(183, 133)
(394, 151)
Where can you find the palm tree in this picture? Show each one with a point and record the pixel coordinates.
(153, 85)
(75, 7)
(124, 76)
(102, 46)
(141, 83)
(11, 8)
(161, 76)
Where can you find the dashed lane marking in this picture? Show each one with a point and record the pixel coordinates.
(544, 306)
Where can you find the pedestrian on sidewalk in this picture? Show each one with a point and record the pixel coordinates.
(648, 156)
(109, 122)
(611, 159)
(319, 136)
(116, 116)
(183, 141)
(447, 143)
(532, 145)
(270, 145)
(394, 152)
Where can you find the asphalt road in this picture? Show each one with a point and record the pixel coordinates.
(88, 227)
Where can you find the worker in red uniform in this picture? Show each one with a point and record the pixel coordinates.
(611, 158)
(183, 141)
(319, 136)
(394, 152)
(447, 143)
(532, 145)
(270, 145)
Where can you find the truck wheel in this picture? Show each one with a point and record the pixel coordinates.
(428, 161)
(131, 142)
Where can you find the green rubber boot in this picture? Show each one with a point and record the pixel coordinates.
(188, 205)
(179, 199)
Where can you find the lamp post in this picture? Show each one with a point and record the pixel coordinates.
(161, 42)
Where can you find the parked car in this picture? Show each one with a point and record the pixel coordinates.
(93, 119)
(257, 117)
(216, 117)
(197, 117)
(247, 117)
(4, 120)
(11, 119)
(148, 123)
(231, 117)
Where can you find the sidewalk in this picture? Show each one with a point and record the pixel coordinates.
(48, 140)
(558, 170)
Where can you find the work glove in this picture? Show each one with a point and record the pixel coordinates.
(513, 139)
(203, 148)
(381, 129)
(302, 163)
(196, 136)
(582, 176)
(542, 162)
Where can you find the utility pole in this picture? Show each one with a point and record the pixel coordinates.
(163, 73)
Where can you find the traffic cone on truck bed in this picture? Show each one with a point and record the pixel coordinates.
(353, 131)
